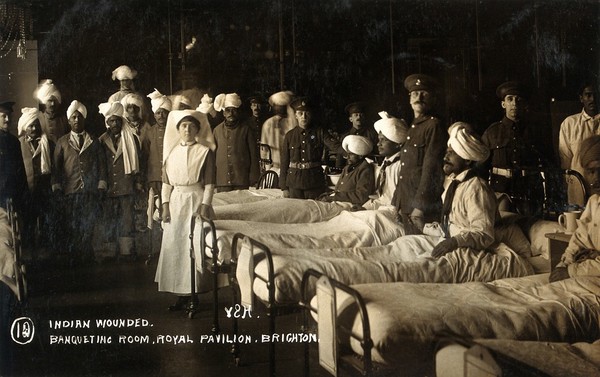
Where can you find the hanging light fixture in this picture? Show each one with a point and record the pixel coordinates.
(13, 17)
(21, 49)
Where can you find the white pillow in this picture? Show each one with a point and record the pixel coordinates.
(537, 236)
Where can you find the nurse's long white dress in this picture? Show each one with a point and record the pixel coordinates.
(187, 169)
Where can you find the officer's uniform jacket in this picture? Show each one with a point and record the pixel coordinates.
(421, 178)
(301, 158)
(356, 183)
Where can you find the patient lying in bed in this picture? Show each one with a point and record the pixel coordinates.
(462, 247)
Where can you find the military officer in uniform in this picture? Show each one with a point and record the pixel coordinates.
(420, 184)
(356, 115)
(301, 175)
(515, 160)
(13, 179)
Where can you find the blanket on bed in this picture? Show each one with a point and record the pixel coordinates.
(281, 211)
(245, 196)
(406, 259)
(347, 230)
(555, 359)
(7, 254)
(407, 319)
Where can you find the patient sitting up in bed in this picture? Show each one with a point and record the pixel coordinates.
(392, 136)
(582, 256)
(469, 204)
(357, 180)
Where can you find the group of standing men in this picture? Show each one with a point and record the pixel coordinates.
(68, 176)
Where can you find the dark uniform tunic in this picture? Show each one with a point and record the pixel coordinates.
(356, 183)
(514, 162)
(236, 155)
(301, 159)
(420, 184)
(13, 180)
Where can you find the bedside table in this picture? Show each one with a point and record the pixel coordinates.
(558, 243)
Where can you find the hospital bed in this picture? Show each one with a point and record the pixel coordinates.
(483, 357)
(397, 325)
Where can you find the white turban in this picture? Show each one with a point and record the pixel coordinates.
(132, 99)
(359, 145)
(465, 144)
(206, 104)
(28, 116)
(47, 90)
(109, 109)
(76, 106)
(124, 73)
(281, 98)
(224, 101)
(159, 101)
(392, 128)
(128, 145)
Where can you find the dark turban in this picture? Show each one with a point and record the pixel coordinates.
(589, 150)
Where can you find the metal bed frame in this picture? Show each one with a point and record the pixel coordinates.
(271, 307)
(211, 265)
(19, 266)
(337, 360)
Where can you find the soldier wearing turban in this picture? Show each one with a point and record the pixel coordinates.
(79, 178)
(121, 152)
(469, 204)
(37, 151)
(357, 180)
(50, 99)
(236, 154)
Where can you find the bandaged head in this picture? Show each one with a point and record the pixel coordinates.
(281, 98)
(28, 116)
(124, 73)
(589, 150)
(159, 101)
(76, 106)
(392, 128)
(206, 104)
(359, 145)
(46, 90)
(465, 144)
(224, 101)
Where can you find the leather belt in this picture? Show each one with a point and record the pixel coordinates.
(509, 173)
(304, 165)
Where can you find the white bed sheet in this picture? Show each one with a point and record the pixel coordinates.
(281, 211)
(245, 196)
(407, 319)
(407, 259)
(347, 230)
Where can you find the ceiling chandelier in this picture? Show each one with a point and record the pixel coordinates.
(13, 21)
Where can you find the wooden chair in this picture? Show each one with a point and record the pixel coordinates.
(267, 180)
